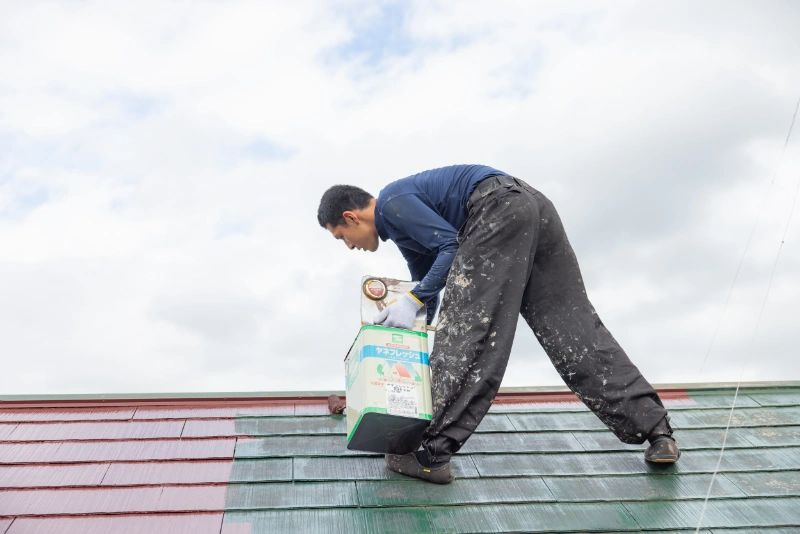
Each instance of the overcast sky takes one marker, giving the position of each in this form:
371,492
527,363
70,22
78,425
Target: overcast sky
161,165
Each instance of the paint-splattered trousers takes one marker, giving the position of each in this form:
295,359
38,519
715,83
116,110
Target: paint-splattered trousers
514,258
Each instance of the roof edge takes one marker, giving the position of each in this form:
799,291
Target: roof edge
690,386
536,393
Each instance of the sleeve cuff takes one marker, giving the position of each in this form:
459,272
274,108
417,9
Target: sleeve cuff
416,299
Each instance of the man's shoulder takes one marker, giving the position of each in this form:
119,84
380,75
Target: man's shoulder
394,189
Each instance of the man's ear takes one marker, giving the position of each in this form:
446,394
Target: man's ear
350,217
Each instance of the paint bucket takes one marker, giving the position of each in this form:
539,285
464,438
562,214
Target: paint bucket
388,381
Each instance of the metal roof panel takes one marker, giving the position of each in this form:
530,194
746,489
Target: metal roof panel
521,442
399,520
691,439
367,468
192,498
286,446
721,513
209,428
278,426
70,431
745,417
544,517
290,495
555,421
308,521
266,470
129,524
770,436
206,412
181,472
66,414
18,453
777,398
410,492
78,501
36,476
640,488
142,450
773,484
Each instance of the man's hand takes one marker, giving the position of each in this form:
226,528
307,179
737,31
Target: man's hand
400,314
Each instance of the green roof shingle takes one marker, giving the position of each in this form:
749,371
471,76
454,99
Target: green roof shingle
538,468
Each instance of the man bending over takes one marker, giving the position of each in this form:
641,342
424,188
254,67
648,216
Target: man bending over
498,247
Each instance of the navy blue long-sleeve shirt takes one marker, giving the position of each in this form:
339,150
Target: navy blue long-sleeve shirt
422,215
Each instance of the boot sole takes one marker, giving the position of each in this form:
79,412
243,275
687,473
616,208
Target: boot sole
664,460
421,476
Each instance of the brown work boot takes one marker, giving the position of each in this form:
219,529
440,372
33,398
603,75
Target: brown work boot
662,450
417,465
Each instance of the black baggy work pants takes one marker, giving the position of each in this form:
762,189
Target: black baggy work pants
514,257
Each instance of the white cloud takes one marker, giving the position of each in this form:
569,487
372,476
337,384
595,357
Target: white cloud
160,168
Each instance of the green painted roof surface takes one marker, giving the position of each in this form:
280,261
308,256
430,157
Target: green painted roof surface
531,468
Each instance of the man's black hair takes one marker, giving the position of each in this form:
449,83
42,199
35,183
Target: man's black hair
337,200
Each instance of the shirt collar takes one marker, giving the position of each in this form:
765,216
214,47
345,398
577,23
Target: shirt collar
380,225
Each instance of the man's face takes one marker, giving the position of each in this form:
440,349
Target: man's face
356,234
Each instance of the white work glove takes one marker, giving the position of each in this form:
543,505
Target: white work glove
400,314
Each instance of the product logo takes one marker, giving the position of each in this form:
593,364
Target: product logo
374,289
398,370
397,338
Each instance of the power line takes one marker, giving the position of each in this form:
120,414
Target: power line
755,331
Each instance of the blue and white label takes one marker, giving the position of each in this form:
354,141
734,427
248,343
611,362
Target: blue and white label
391,353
